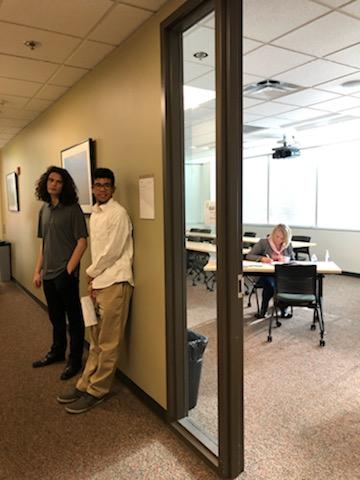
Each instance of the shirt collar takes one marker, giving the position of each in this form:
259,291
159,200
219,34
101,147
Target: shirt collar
103,207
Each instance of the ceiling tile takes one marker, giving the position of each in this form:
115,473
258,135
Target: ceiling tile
249,102
206,81
315,72
266,20
249,45
153,5
354,111
7,112
247,79
12,101
267,61
250,117
74,17
333,3
307,97
268,122
18,87
54,46
12,122
67,76
336,85
89,54
349,56
26,69
38,105
302,114
269,108
322,37
200,39
353,8
119,25
193,70
51,92
339,104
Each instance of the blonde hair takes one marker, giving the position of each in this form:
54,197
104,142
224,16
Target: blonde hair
286,231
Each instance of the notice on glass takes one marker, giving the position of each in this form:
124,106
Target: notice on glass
147,197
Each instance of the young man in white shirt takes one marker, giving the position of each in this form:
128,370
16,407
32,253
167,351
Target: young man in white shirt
111,284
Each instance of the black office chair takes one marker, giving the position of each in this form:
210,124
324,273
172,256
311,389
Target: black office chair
251,283
197,260
303,250
296,286
248,234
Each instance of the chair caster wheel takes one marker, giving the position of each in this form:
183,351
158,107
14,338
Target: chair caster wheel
278,324
322,343
313,327
269,338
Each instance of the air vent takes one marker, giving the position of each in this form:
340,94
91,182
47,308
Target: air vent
270,89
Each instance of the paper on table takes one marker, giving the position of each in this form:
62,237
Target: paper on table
88,311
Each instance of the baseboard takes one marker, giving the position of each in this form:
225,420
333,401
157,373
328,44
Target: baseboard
39,302
138,392
351,274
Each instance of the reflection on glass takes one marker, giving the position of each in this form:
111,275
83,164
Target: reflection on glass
200,217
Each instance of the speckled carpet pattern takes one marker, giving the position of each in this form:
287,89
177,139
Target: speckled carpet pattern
118,440
302,401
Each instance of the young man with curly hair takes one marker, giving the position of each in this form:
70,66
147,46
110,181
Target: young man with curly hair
63,231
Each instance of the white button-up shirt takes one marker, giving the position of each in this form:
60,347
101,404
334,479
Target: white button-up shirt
111,245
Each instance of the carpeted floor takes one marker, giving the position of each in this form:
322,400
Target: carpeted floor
302,405
121,439
302,402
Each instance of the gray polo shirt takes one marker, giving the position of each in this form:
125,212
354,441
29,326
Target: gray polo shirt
60,227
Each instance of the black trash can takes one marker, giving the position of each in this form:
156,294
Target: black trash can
196,347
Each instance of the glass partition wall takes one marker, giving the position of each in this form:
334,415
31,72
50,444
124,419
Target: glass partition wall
200,221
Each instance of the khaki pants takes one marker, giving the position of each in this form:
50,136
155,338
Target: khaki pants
112,306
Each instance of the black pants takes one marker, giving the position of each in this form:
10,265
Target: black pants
62,296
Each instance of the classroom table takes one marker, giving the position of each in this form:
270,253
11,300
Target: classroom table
251,240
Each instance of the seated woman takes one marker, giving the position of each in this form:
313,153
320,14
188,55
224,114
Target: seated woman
275,248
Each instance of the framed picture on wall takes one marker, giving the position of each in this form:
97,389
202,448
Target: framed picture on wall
12,192
79,161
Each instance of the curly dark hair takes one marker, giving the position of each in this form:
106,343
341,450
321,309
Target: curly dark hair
68,194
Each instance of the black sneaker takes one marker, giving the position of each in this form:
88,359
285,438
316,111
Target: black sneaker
71,396
84,403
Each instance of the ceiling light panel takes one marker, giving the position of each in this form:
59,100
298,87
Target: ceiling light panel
285,15
73,17
320,38
268,60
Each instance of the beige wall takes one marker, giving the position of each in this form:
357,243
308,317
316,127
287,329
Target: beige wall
119,106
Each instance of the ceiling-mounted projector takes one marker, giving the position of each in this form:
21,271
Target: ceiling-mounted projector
285,151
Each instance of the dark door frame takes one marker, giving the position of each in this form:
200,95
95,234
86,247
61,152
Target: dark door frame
228,458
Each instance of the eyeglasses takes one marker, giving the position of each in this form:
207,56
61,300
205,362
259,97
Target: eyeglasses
107,186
